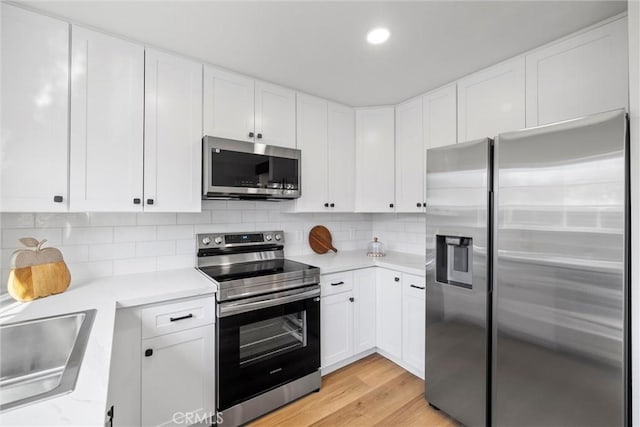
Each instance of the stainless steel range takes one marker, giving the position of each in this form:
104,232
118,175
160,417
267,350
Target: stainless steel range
268,323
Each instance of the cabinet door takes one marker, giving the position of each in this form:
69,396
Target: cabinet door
389,312
341,157
337,328
275,115
228,105
413,321
375,183
491,101
364,316
177,376
173,133
312,140
582,75
107,116
439,117
35,108
410,173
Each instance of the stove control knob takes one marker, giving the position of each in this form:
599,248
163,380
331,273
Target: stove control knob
218,240
278,237
268,237
206,241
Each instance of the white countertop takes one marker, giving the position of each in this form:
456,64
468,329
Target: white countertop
351,260
86,405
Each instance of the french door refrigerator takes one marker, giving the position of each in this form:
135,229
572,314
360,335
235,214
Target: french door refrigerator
527,276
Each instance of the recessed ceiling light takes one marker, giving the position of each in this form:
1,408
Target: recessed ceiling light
378,35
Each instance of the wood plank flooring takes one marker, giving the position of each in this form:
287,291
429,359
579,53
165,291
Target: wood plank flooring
371,392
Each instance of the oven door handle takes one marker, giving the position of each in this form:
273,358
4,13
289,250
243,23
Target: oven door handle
229,309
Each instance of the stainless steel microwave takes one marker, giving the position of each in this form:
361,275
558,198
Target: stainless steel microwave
246,170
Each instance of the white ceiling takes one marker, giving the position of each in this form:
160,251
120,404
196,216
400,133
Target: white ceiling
320,47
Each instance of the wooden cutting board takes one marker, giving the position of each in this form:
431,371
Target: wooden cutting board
320,240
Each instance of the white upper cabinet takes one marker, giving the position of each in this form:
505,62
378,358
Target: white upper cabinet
173,133
325,134
228,105
275,115
312,140
341,157
35,108
375,183
492,101
439,109
409,157
578,76
237,107
107,116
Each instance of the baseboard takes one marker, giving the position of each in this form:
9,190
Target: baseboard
415,371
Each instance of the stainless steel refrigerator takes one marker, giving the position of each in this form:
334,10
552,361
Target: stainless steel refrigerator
527,276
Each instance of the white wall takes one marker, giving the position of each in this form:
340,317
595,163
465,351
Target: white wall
634,113
105,244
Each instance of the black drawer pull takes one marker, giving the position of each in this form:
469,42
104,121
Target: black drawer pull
417,287
352,299
175,319
396,279
58,199
337,284
148,352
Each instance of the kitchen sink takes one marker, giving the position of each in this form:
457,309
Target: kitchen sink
41,358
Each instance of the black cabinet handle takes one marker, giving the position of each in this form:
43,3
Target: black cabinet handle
417,287
337,284
251,134
326,205
424,205
352,299
175,319
418,205
149,201
136,201
396,279
333,205
58,199
148,352
259,136
390,205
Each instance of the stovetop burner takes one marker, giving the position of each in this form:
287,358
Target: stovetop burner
249,264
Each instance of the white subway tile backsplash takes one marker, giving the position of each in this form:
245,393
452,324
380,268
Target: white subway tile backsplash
18,220
153,218
134,265
176,261
90,270
87,235
112,219
186,246
110,251
11,236
75,253
226,217
67,220
155,248
203,217
173,232
134,234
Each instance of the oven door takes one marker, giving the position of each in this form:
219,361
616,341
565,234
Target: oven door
266,342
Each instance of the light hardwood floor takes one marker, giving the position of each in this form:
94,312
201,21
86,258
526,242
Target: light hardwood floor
371,392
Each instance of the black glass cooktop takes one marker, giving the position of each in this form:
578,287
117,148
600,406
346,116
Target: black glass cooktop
226,273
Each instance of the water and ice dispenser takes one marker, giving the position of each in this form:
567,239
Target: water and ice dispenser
454,260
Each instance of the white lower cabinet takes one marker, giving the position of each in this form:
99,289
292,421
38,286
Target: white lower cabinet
347,316
177,376
413,322
162,365
389,312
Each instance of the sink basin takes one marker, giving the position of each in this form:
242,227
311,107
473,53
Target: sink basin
41,358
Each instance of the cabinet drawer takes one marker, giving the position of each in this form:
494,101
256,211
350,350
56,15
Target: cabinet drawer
413,285
335,283
177,316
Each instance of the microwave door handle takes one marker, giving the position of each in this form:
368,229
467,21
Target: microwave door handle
225,310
